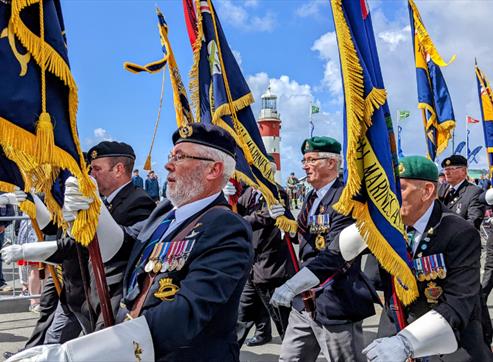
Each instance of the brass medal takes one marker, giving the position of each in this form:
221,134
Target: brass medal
167,290
157,267
320,242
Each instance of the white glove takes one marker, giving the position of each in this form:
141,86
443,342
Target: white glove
11,253
229,189
127,341
300,282
43,215
276,210
74,200
396,348
39,251
13,198
110,234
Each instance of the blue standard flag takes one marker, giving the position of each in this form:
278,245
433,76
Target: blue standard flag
10,178
486,104
372,193
38,107
433,96
221,96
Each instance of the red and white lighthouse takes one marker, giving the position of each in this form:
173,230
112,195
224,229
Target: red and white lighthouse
269,125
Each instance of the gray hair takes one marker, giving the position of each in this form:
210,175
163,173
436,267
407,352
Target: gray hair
334,156
229,162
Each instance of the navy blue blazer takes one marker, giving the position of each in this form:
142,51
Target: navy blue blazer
350,296
199,323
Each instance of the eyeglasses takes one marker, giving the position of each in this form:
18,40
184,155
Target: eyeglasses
311,161
182,156
452,168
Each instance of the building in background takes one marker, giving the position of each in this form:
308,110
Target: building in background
269,124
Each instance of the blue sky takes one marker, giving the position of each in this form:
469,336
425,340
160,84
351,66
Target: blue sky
287,44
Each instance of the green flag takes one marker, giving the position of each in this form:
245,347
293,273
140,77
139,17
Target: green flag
404,114
315,109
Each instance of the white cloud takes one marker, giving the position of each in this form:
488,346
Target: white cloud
237,15
293,104
251,3
312,8
326,46
99,135
394,38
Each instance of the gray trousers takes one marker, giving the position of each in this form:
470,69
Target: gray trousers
64,327
305,338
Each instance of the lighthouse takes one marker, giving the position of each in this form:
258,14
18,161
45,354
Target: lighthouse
269,125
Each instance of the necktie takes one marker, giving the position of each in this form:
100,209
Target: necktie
156,236
451,194
303,216
106,203
411,233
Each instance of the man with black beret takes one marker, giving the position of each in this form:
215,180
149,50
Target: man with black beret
187,268
122,205
445,250
458,194
330,319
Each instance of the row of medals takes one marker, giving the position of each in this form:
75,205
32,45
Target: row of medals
429,268
169,256
319,224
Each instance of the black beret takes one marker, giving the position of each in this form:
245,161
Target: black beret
207,135
418,168
321,144
454,160
111,149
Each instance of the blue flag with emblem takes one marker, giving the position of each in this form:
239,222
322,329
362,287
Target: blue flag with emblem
372,191
38,129
11,178
221,96
486,104
433,95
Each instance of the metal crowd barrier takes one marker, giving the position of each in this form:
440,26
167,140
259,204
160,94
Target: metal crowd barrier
10,239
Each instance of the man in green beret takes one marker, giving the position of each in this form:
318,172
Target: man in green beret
327,319
445,250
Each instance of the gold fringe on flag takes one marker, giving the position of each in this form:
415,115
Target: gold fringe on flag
359,111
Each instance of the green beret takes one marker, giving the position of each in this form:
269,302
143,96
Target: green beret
271,158
418,168
321,144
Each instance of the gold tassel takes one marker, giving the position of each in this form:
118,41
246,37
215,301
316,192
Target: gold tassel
45,139
148,164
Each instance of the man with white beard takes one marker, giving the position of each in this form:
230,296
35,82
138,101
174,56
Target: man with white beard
186,271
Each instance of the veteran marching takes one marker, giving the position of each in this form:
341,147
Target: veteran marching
186,278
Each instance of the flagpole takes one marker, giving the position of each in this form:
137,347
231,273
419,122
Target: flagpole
398,125
467,140
310,118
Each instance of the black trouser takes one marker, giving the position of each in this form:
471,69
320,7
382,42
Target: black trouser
48,303
487,282
255,309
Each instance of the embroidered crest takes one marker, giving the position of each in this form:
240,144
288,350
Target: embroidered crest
137,352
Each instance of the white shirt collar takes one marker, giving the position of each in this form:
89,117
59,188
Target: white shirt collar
420,225
111,196
184,212
321,192
456,187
